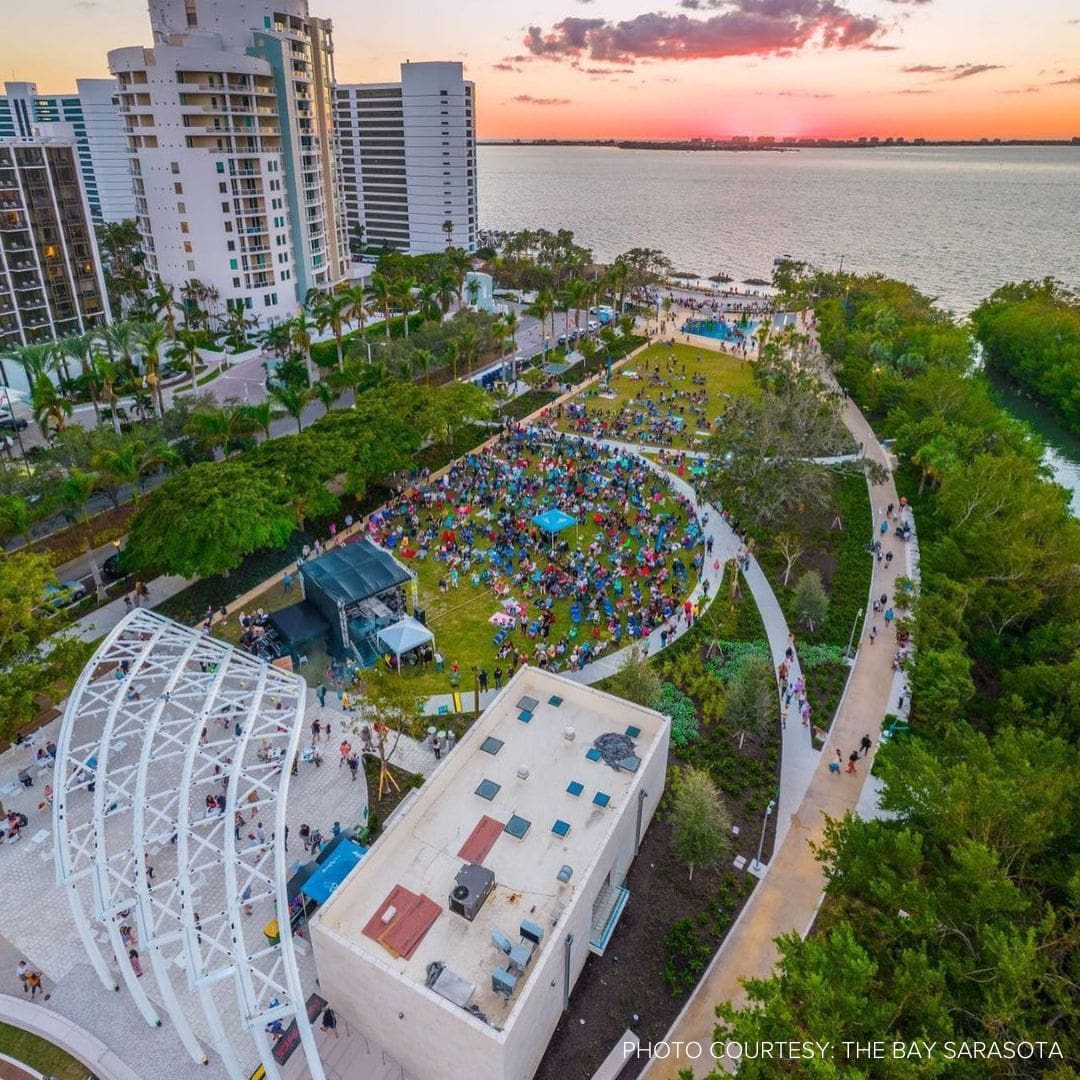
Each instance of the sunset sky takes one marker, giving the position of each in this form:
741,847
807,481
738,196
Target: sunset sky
629,68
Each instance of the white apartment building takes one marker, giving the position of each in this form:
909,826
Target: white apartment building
51,284
408,159
101,141
455,943
230,123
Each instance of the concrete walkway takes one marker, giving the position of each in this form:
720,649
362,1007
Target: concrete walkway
791,890
61,1032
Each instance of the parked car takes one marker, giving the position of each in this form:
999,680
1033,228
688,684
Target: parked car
13,423
64,594
112,569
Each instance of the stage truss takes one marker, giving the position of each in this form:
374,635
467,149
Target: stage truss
162,721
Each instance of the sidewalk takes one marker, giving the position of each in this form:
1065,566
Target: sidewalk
791,890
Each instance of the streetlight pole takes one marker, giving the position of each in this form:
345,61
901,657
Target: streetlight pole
755,866
476,690
851,639
18,433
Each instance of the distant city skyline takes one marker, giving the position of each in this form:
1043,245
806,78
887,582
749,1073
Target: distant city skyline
699,68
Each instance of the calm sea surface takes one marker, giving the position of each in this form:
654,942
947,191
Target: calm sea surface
956,221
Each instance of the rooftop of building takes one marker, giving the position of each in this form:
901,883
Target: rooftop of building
563,809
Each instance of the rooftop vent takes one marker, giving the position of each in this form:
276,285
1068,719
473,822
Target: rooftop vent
523,772
569,734
473,885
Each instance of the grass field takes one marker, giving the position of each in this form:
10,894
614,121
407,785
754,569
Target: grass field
460,618
39,1054
722,375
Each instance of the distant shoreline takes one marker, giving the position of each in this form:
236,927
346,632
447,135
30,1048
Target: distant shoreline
776,146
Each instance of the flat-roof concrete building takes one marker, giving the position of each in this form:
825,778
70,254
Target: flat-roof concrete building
457,940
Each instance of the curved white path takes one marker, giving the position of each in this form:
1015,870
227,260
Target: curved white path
798,758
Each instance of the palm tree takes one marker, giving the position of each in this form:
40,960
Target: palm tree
34,359
259,417
300,338
132,459
382,293
618,278
427,303
106,375
326,393
576,292
51,410
469,342
121,340
150,342
424,361
448,229
81,347
163,302
277,338
357,310
445,288
186,351
541,308
453,355
510,326
292,399
76,490
220,427
459,263
328,310
58,359
403,299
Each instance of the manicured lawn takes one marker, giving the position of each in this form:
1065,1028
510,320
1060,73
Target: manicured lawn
718,375
39,1054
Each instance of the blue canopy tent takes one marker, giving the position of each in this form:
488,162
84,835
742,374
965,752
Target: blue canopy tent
404,636
553,522
333,871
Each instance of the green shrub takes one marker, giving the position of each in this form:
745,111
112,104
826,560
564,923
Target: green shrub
684,723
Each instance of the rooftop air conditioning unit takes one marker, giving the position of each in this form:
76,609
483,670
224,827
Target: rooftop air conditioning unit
569,734
473,885
523,772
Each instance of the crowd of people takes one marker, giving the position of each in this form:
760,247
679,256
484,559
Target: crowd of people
669,407
618,572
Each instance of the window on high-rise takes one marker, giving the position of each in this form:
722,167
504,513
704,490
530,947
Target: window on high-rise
191,12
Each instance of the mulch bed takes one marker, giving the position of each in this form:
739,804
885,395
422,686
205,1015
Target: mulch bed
626,988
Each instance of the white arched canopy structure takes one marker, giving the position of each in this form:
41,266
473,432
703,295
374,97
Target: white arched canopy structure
163,722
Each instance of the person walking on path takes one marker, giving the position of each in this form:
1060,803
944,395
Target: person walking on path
22,969
345,749
354,765
498,678
320,693
33,982
436,745
852,758
316,731
865,745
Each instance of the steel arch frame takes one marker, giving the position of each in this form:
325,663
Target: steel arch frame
157,696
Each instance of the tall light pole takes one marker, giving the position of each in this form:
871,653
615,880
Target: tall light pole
755,866
851,639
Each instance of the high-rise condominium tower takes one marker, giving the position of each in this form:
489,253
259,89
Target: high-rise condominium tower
93,113
51,284
231,130
408,154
